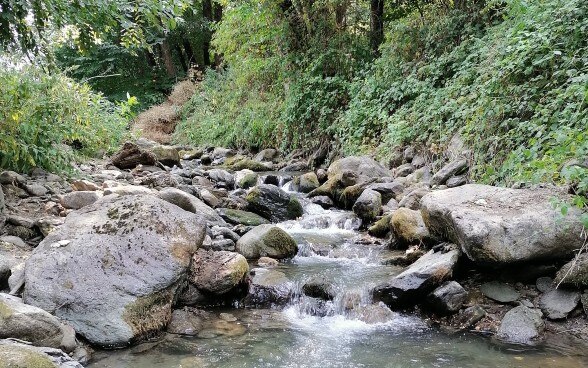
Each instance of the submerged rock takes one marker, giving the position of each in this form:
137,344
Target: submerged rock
521,325
429,271
188,321
267,241
273,203
501,226
112,269
218,272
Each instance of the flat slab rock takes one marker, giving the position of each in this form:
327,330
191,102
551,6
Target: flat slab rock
15,354
495,225
500,292
557,303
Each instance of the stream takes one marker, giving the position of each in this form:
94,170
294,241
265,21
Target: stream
349,331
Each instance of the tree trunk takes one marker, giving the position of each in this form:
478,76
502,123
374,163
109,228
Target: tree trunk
207,14
188,49
218,16
340,14
181,56
376,24
168,62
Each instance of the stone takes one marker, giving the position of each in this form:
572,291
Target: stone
322,175
557,303
246,179
267,262
18,355
360,165
447,298
210,199
239,162
78,199
84,185
130,155
584,300
404,170
11,258
408,226
295,166
268,288
127,190
497,226
187,321
319,288
412,200
323,201
305,183
420,278
544,284
116,265
190,203
369,205
409,153
456,181
222,178
167,155
2,204
205,159
237,217
36,190
268,154
273,203
389,190
521,325
372,313
218,272
574,273
12,178
453,168
500,292
29,323
381,228
469,317
267,241
222,244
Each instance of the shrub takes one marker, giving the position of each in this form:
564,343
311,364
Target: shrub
41,114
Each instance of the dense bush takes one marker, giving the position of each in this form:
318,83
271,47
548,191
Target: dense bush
40,115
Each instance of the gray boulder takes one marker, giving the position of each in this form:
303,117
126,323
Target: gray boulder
369,205
37,190
113,268
246,179
389,190
28,323
557,303
420,278
273,203
268,288
192,204
222,178
267,241
217,272
18,355
453,168
268,154
361,165
12,257
12,178
521,325
447,298
408,226
500,226
78,199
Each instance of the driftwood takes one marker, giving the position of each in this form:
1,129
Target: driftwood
131,155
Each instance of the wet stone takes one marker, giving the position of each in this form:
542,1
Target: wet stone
557,303
499,292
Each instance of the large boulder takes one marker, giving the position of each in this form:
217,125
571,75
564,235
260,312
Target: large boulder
521,325
12,257
369,205
502,226
267,241
420,278
273,203
305,183
218,272
192,204
454,167
246,179
113,268
29,323
130,155
268,288
361,165
18,355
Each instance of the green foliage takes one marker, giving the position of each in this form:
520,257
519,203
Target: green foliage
40,115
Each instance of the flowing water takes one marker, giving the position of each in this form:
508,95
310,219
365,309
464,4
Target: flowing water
349,331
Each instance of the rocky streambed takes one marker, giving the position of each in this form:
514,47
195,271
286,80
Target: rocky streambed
174,257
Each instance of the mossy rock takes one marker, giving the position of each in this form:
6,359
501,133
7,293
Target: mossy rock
240,162
21,357
267,241
408,225
238,217
381,228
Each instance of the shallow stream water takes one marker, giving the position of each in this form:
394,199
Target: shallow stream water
333,335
